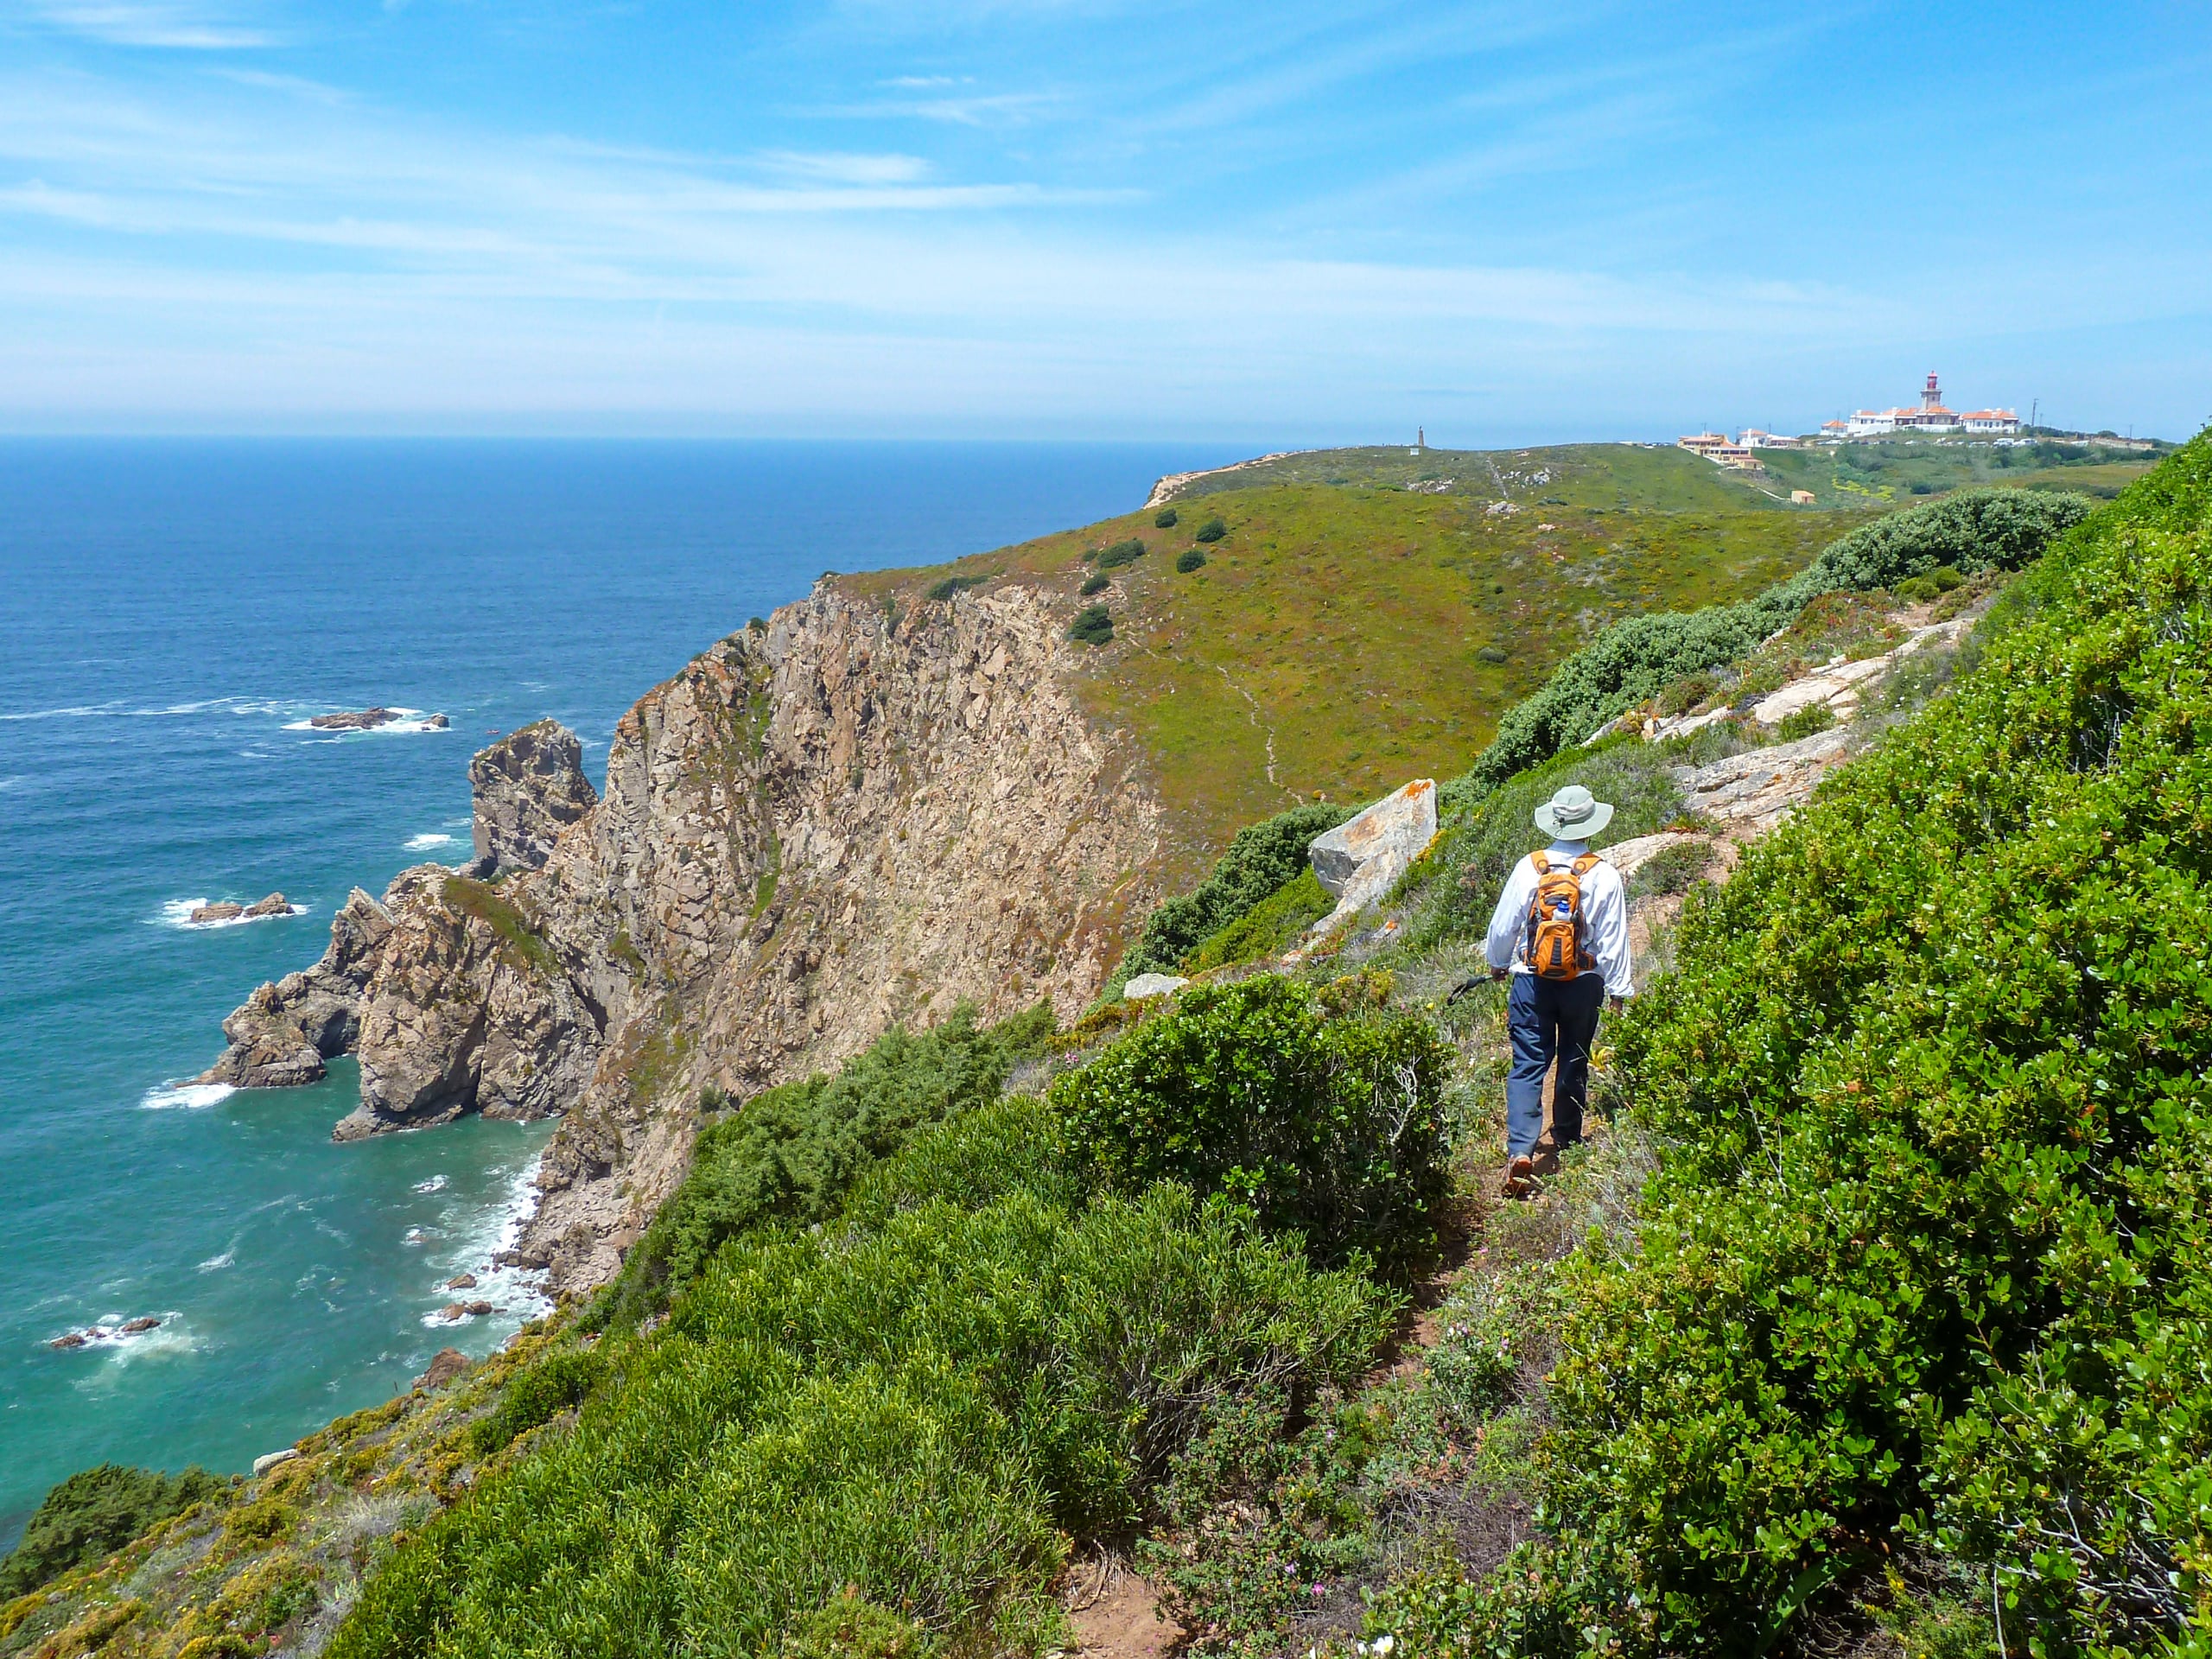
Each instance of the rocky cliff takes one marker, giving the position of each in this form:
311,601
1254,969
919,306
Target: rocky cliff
855,817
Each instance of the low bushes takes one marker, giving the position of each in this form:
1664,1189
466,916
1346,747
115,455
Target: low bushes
910,1415
1122,553
790,1153
1164,519
1259,860
94,1513
1093,625
1097,583
1190,559
1270,927
1212,531
1321,1112
1924,1266
1970,531
952,585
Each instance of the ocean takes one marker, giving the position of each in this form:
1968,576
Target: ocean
171,614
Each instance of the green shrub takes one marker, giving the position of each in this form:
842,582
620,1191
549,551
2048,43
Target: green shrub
952,585
1813,718
1122,553
94,1513
535,1396
911,1415
1329,1127
790,1153
1269,928
756,624
1925,1256
1093,625
1259,860
1493,655
1190,559
1673,869
1164,519
1212,531
1098,583
1636,658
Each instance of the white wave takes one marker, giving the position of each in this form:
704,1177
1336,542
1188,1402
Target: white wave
106,1336
422,843
435,1184
217,1263
12,781
193,1096
410,721
123,711
177,912
515,1292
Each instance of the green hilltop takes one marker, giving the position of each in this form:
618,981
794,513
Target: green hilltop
1368,615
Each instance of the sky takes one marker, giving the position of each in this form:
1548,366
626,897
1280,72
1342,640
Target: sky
1287,223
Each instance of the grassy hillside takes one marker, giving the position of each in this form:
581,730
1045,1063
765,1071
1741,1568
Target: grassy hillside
1343,636
1875,1322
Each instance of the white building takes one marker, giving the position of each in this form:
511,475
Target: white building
1929,416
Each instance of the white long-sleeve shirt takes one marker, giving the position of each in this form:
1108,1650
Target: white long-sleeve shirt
1604,918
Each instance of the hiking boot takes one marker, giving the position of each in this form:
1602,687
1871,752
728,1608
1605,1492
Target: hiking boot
1520,1178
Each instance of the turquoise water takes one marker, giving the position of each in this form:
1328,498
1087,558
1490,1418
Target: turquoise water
170,614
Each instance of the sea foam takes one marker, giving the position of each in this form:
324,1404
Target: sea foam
423,844
192,1096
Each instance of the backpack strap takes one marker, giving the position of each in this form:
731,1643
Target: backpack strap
1542,863
1584,865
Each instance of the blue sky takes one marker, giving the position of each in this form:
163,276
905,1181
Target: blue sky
1289,223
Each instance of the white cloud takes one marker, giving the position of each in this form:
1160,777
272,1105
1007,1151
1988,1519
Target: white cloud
171,23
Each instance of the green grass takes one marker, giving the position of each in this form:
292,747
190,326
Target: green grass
528,949
1348,637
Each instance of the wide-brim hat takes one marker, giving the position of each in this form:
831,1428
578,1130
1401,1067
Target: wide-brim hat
1573,814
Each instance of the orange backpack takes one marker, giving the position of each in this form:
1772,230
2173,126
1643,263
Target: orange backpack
1555,947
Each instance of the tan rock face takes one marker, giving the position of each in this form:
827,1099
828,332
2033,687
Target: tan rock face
849,820
527,788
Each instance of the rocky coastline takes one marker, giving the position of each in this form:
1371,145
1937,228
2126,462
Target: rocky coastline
847,818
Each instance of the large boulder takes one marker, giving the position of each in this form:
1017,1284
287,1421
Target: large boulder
1361,860
529,787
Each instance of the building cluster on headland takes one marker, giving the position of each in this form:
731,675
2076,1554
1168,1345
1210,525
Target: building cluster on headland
1931,415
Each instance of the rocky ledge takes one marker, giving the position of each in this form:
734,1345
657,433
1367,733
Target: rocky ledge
368,719
224,910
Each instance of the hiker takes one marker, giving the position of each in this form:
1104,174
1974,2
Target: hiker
1561,930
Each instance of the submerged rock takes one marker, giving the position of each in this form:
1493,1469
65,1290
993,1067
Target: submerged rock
461,1281
221,911
358,720
143,1322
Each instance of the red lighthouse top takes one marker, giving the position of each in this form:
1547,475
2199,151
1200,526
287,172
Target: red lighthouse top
1931,396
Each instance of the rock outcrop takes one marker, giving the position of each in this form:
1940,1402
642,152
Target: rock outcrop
354,720
282,1034
528,787
852,818
1361,860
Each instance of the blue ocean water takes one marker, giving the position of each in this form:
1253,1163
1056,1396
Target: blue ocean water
170,614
